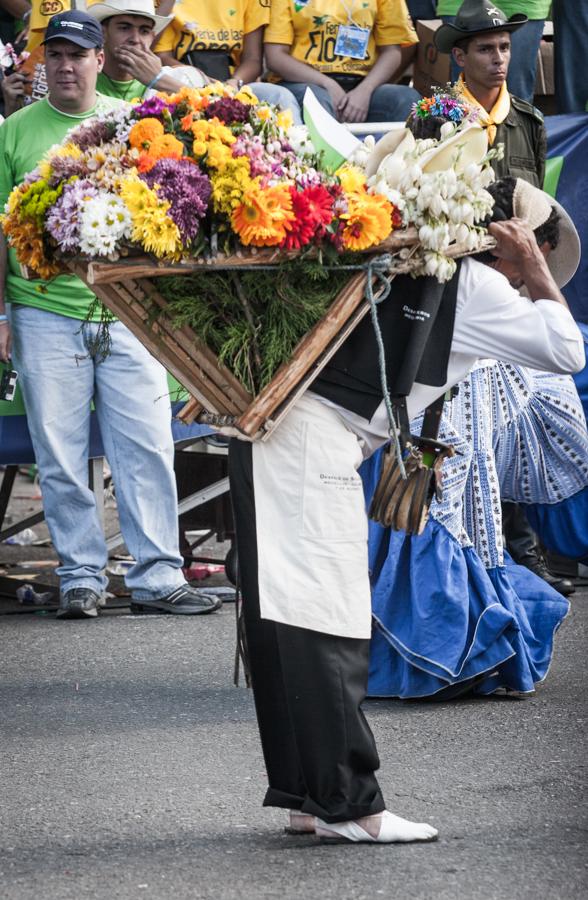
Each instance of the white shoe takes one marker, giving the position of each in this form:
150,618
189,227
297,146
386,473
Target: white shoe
393,829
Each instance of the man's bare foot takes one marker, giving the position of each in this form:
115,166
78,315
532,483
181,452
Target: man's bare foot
300,823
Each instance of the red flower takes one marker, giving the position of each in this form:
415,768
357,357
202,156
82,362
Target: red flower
313,210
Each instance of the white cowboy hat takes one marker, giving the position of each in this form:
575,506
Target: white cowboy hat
534,206
467,145
145,8
396,143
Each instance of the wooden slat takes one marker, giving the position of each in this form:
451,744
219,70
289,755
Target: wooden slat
313,353
217,383
186,337
217,396
306,353
145,267
189,411
183,365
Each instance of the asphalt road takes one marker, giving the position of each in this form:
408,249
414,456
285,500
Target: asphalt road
130,768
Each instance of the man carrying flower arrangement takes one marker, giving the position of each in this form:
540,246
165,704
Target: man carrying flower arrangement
53,328
302,528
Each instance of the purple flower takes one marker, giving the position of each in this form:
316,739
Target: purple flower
97,132
62,221
153,106
228,110
66,167
186,188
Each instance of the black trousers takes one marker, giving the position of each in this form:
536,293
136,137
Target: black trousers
319,750
520,539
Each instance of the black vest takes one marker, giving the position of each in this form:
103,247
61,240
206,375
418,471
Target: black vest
416,321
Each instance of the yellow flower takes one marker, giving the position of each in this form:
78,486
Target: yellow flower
218,155
246,95
199,148
229,185
70,150
352,178
45,170
285,119
263,113
160,234
137,196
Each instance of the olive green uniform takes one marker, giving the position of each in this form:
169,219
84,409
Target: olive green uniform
525,143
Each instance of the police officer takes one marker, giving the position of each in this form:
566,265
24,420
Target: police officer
479,41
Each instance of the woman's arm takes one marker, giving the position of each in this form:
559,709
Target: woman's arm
280,61
356,103
251,63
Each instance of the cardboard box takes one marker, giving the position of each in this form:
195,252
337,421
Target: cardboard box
431,68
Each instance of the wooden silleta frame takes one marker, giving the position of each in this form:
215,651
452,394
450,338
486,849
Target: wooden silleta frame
128,289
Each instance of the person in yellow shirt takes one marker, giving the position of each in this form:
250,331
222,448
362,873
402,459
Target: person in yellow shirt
346,52
224,40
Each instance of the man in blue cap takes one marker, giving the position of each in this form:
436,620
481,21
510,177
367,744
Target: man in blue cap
50,334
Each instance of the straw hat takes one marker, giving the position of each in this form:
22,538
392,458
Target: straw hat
475,17
534,206
145,8
396,143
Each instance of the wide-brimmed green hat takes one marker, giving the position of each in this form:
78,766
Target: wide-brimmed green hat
475,17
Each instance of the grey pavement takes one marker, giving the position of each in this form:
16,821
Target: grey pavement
130,768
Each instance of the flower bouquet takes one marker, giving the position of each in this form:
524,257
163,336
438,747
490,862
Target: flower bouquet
255,237
184,176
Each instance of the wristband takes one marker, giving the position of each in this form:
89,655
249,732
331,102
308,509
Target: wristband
154,81
3,318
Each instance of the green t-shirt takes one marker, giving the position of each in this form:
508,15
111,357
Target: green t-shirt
24,138
533,9
122,90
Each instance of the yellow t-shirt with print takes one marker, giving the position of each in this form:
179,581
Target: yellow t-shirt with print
41,12
212,26
310,28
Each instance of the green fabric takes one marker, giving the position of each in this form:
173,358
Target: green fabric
553,169
122,90
24,138
533,9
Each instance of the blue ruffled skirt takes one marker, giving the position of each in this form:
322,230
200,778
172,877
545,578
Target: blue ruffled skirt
441,617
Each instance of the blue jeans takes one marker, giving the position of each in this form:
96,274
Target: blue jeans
389,102
523,60
570,27
279,96
59,381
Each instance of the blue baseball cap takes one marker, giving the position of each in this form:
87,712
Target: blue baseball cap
75,26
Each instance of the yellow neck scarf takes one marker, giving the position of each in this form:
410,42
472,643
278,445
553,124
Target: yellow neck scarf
498,113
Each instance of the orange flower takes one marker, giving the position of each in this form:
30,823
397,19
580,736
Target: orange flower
27,242
186,122
144,132
367,221
264,216
166,146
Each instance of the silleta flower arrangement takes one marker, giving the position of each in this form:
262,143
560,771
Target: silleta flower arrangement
438,182
185,175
